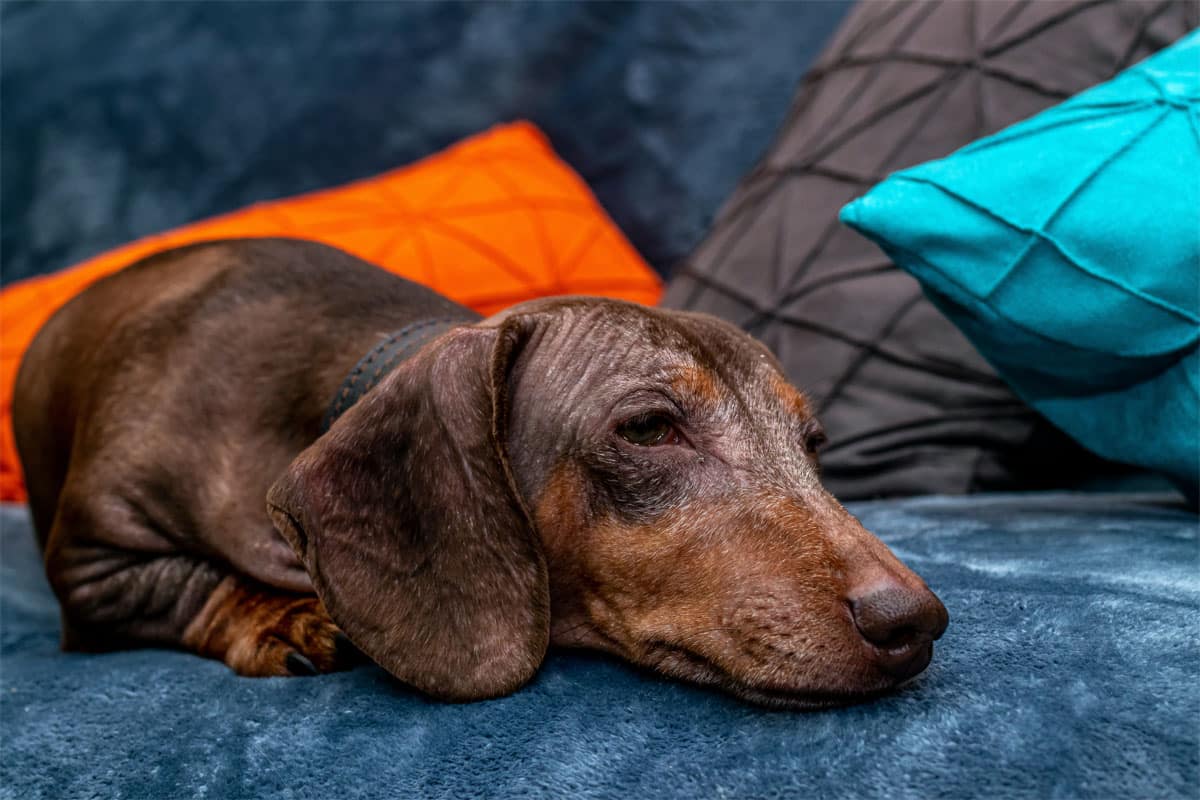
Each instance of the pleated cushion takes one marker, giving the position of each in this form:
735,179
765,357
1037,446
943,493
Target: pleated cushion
1067,249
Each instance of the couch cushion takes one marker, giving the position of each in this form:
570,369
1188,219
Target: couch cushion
909,404
1067,248
493,221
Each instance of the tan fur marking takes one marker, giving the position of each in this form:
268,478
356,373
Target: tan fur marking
253,628
697,382
792,397
758,605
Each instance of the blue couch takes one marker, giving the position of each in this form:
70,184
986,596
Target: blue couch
1069,670
123,119
1071,665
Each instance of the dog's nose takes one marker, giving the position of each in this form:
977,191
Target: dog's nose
901,622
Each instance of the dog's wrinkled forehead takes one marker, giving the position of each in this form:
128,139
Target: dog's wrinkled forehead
590,354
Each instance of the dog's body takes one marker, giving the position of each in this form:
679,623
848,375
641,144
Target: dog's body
205,371
579,469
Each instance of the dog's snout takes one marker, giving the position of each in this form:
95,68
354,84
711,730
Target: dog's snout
901,622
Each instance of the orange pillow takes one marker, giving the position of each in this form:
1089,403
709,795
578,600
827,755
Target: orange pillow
492,221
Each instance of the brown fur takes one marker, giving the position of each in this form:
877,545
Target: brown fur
481,502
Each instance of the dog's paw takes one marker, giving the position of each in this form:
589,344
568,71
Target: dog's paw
259,632
294,638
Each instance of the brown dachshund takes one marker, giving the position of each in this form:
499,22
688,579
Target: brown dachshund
579,471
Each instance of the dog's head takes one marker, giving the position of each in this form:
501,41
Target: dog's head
604,475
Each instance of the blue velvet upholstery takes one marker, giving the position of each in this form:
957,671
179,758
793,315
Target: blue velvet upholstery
1071,668
126,118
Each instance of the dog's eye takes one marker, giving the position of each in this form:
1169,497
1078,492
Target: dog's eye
814,440
648,430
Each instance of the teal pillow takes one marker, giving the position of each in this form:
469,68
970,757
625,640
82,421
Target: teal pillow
1067,248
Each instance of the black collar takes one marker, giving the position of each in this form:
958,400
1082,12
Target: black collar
382,359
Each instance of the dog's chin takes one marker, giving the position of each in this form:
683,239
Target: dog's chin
692,667
802,700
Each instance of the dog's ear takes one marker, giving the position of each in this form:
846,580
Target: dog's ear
409,522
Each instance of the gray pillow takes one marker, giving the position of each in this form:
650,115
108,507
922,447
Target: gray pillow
909,405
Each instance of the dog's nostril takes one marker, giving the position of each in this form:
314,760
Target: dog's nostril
898,637
895,616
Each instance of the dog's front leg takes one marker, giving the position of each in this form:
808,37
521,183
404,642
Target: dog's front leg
260,630
121,583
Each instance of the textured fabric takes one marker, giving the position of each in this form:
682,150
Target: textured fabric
490,222
910,406
1071,669
123,119
1067,248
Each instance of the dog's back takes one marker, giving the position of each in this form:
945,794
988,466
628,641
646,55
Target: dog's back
247,339
49,398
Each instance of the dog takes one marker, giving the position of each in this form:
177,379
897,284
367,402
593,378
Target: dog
271,453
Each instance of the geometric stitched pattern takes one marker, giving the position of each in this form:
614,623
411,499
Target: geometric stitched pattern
492,221
909,405
1075,260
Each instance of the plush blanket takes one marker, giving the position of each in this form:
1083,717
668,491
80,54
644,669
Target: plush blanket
1070,669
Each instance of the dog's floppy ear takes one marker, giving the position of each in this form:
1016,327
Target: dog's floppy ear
407,517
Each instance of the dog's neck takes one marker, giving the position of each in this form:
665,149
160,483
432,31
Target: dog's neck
380,360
